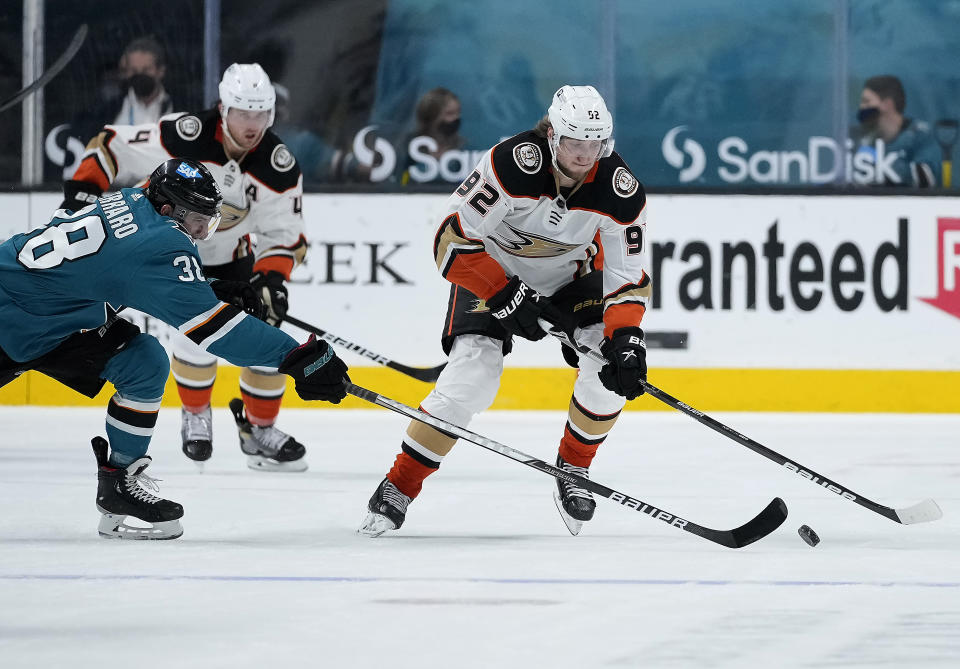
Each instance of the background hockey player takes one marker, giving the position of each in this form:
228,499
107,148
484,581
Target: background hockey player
550,212
262,190
60,288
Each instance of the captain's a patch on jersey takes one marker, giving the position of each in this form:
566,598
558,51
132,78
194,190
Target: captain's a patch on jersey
624,183
528,158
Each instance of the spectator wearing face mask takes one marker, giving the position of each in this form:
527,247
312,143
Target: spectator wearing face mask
140,98
438,116
892,149
142,68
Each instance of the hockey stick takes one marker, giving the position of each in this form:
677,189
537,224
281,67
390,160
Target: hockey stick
51,72
920,512
425,374
763,524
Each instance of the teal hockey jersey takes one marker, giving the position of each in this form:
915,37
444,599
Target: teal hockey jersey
119,252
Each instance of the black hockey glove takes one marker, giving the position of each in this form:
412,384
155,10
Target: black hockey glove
274,295
78,194
241,295
517,307
628,362
318,374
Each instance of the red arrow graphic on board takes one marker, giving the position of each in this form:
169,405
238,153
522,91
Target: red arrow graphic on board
948,267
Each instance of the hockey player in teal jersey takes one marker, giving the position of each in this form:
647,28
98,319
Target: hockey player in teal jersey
62,285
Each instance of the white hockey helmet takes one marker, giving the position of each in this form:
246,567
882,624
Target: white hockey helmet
247,86
579,112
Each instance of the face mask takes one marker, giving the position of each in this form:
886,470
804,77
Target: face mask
868,115
449,128
142,84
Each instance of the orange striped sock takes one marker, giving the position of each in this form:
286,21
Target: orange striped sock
408,474
195,400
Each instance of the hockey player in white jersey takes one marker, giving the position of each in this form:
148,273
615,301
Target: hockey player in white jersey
551,224
262,195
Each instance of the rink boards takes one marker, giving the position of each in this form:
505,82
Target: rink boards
783,303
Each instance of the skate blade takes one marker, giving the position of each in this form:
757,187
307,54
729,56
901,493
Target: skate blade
200,466
112,526
375,524
262,464
573,525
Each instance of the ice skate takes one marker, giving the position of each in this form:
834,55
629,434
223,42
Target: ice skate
575,504
267,448
120,494
196,431
387,510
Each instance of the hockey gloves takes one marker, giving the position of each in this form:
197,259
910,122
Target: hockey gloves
78,194
318,374
627,366
517,307
239,294
274,295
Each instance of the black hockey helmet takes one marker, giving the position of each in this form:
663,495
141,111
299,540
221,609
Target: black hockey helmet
188,187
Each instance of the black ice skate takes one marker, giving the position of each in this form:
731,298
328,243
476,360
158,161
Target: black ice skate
196,431
575,504
267,448
119,494
387,510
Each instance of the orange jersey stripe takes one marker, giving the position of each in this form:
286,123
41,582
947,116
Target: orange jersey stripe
212,316
90,171
625,315
477,272
281,264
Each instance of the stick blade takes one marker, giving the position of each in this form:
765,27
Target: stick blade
755,529
921,512
425,374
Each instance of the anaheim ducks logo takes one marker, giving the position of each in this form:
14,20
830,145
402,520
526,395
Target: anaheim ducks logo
188,127
527,245
479,307
528,158
624,183
281,158
231,215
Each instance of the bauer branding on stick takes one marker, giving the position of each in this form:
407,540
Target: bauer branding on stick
808,535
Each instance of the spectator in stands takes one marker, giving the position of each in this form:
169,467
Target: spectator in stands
142,68
899,151
438,116
141,97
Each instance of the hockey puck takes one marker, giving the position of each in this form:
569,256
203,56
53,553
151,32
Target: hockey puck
808,535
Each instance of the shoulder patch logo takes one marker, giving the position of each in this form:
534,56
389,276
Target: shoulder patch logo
189,127
281,158
528,158
624,183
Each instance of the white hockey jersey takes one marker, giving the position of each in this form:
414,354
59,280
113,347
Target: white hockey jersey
507,219
262,194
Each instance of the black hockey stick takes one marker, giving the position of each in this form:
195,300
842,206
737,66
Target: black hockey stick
921,512
425,374
763,524
52,71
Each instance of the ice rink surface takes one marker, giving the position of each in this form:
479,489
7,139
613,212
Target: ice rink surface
271,573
